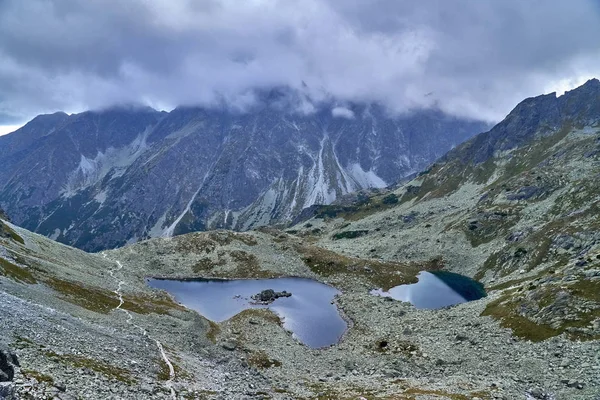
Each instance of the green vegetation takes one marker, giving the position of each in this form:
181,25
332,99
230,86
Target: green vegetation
260,360
164,373
38,376
506,310
256,313
15,272
7,232
527,157
364,207
93,299
103,301
491,224
213,331
101,367
73,360
380,274
350,234
390,199
157,303
404,393
587,289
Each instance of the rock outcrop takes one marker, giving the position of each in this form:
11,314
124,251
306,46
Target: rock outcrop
269,295
8,363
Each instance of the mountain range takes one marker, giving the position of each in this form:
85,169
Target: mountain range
516,208
101,179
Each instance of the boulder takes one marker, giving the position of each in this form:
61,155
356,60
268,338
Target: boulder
8,363
269,295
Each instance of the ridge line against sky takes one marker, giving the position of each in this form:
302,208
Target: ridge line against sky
469,59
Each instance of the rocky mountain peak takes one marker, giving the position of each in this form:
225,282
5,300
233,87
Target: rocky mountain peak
105,178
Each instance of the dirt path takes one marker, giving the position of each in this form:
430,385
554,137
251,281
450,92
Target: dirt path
163,354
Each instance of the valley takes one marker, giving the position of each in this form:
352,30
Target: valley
515,208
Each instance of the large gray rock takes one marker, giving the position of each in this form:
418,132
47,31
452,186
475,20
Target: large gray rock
7,391
8,363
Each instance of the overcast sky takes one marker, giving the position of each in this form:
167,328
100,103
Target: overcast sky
473,58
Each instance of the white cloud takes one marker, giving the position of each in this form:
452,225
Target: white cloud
342,112
5,129
474,59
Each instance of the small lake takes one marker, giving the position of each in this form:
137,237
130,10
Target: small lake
436,289
308,313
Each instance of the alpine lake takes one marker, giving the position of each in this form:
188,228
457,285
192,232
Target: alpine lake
306,307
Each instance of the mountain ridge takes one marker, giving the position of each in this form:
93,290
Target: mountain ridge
243,170
523,222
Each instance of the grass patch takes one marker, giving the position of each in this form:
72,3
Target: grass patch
350,234
101,367
572,319
16,273
260,360
380,274
490,224
586,289
257,313
353,393
490,264
362,208
7,232
521,327
76,361
157,303
214,331
444,394
93,299
103,300
38,376
164,374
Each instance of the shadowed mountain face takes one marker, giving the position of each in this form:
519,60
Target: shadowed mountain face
98,180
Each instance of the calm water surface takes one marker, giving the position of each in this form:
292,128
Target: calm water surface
436,289
308,313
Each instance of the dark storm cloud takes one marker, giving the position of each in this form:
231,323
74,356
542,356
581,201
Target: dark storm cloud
469,58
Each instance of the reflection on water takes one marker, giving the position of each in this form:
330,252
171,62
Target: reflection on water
309,313
436,290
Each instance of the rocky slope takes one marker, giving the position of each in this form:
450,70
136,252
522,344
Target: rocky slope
520,215
98,180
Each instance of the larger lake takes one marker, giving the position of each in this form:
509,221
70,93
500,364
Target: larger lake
309,313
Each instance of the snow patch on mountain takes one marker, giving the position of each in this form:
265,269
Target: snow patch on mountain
365,179
113,160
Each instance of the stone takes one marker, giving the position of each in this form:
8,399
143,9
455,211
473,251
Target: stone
537,393
8,362
7,390
146,388
391,373
230,346
269,295
60,386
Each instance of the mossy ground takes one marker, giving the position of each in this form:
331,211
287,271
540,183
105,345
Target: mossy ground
405,392
7,232
15,272
379,274
38,376
261,360
77,361
506,310
103,301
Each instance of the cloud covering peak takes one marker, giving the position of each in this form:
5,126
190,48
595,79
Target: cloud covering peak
468,58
